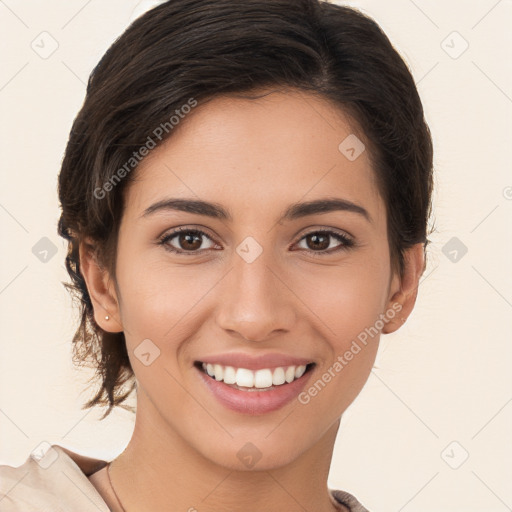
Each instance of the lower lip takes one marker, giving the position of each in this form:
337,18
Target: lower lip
255,402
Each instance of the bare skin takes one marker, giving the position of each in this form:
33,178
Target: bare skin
255,158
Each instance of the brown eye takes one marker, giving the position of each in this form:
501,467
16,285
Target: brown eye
189,241
320,241
317,241
183,241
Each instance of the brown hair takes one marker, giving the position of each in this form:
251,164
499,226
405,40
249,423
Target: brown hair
185,50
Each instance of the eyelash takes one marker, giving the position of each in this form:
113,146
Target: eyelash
347,243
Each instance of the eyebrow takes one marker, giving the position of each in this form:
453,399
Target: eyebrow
292,212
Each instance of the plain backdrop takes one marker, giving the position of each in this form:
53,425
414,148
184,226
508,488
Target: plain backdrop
432,429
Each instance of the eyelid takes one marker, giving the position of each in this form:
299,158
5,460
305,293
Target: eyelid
187,227
324,229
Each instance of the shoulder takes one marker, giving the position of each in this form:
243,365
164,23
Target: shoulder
348,500
54,480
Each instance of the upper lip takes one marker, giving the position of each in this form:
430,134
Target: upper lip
255,362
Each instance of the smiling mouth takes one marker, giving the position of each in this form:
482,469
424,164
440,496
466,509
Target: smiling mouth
264,379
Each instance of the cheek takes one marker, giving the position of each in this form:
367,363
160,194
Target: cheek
348,302
159,304
166,304
155,293
346,298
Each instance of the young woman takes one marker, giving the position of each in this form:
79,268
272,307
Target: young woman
246,194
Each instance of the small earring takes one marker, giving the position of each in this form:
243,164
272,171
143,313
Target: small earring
106,318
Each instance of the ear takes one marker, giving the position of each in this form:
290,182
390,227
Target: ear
404,290
101,289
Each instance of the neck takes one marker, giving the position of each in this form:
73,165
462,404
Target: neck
159,467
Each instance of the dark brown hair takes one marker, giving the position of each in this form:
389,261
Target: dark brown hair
196,50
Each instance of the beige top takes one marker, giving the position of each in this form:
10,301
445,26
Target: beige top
59,480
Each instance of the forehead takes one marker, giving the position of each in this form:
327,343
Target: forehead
255,155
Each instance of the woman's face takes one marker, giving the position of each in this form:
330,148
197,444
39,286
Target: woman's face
257,282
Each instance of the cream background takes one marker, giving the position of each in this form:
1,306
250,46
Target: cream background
444,377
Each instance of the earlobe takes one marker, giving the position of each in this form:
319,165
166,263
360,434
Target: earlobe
100,288
414,266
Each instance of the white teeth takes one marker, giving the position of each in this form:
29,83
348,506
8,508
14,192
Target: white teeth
244,378
260,379
278,377
289,374
219,371
263,379
229,375
299,372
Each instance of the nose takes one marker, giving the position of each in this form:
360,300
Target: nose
256,304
